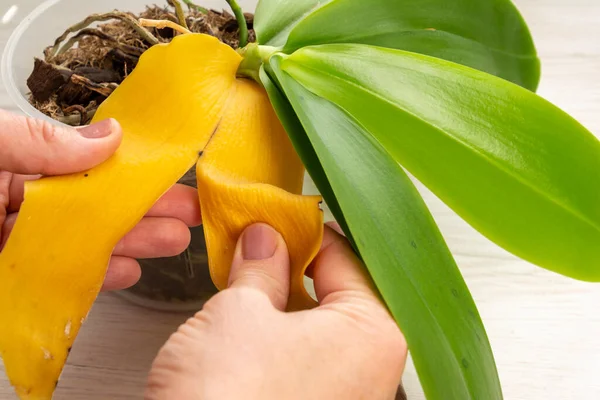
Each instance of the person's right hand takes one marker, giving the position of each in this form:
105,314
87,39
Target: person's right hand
242,345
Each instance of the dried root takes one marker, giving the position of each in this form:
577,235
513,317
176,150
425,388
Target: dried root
102,36
161,24
124,17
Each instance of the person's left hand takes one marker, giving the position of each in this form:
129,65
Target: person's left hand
32,148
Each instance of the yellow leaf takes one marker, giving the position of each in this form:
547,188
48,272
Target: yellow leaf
250,173
55,260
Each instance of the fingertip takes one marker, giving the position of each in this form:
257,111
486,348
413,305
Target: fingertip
155,237
261,261
259,242
41,147
101,139
175,236
181,202
123,272
337,270
78,149
330,235
106,128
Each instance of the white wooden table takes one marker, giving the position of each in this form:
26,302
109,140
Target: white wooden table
544,329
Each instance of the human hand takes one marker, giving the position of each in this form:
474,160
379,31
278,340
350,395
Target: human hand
32,148
243,346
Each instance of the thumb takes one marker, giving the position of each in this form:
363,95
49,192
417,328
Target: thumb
338,273
30,146
262,262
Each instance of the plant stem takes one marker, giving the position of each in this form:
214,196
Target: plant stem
253,57
241,19
161,24
179,11
193,6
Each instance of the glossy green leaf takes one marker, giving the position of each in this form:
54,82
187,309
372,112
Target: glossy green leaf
403,250
517,168
274,19
487,35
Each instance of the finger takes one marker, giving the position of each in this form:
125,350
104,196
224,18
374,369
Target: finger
310,271
123,273
262,262
338,273
179,202
155,238
30,146
17,190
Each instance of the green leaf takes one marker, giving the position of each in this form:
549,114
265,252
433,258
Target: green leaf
517,168
403,250
274,19
487,35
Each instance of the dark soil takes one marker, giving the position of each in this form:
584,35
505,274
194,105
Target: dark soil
77,74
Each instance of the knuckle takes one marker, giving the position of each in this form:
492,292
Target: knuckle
192,330
40,130
262,279
225,299
256,274
395,341
43,138
244,297
375,323
390,340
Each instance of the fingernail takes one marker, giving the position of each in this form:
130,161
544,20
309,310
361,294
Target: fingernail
259,242
98,130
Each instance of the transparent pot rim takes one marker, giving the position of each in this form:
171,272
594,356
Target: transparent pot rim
8,76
